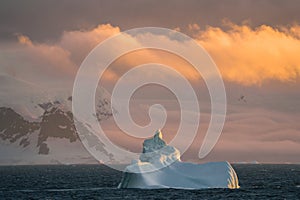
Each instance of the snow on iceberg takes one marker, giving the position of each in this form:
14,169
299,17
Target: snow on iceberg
159,166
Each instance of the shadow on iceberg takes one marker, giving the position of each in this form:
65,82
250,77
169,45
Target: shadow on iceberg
159,166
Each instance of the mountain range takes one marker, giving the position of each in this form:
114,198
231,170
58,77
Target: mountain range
37,126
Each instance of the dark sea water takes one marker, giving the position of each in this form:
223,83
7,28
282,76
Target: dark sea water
100,182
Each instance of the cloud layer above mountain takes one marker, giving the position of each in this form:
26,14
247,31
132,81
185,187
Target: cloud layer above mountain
245,55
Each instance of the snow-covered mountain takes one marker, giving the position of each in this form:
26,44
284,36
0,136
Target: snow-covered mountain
37,126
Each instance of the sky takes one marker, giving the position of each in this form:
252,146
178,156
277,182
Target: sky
255,45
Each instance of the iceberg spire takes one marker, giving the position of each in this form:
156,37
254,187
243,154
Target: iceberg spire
158,134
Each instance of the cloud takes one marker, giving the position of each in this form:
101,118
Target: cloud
251,56
244,55
80,43
36,62
43,63
24,40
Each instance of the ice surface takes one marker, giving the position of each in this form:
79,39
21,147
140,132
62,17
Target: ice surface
159,166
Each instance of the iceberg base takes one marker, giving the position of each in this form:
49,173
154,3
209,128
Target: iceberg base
183,175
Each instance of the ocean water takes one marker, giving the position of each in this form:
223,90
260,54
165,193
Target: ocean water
100,182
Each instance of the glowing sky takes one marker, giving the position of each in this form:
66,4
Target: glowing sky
255,44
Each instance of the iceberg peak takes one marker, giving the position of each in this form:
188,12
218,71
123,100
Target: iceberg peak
157,152
158,134
154,143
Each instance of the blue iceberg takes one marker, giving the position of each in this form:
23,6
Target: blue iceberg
159,166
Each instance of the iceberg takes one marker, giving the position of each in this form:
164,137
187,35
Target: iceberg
159,166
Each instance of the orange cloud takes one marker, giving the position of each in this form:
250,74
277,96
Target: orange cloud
251,56
80,43
132,59
24,40
48,62
244,55
44,58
